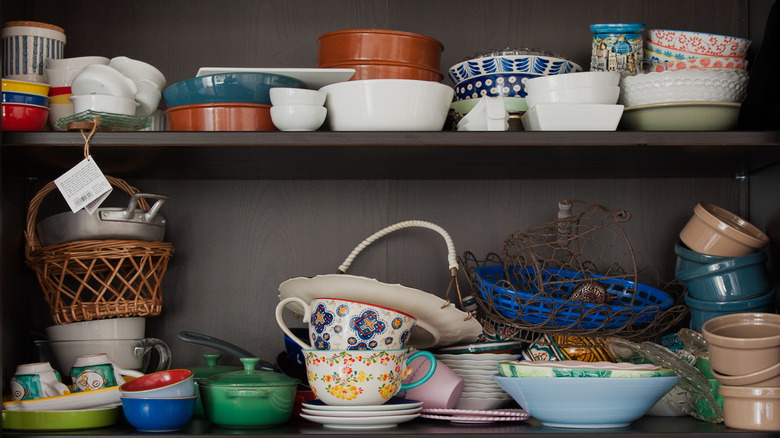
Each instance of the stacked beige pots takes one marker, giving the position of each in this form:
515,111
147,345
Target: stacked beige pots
744,353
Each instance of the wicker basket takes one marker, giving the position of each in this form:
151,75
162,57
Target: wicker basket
97,279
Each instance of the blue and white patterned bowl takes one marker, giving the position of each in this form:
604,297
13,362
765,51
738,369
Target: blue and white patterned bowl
504,74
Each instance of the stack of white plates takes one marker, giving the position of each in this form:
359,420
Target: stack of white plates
480,390
385,416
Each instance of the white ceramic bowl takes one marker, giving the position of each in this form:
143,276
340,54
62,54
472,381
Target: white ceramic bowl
296,96
135,69
572,117
148,97
298,117
76,63
387,105
694,85
602,95
572,80
102,79
112,328
58,111
104,103
59,78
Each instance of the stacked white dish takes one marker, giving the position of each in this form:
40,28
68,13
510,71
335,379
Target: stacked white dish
297,109
480,390
385,416
583,101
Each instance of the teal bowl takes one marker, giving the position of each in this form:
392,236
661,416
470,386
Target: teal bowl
245,87
703,311
690,259
731,279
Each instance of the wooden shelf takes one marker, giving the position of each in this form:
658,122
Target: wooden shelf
397,155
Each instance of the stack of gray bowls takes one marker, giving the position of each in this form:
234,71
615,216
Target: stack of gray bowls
723,285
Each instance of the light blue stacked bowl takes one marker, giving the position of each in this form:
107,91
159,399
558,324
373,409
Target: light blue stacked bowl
723,285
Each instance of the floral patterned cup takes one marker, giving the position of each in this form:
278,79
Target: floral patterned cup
361,378
336,324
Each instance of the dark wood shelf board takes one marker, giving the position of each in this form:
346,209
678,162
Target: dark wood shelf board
397,155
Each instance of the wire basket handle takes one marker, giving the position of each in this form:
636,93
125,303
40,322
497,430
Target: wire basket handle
451,256
31,238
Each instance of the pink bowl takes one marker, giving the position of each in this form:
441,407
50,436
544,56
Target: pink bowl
24,117
707,44
708,62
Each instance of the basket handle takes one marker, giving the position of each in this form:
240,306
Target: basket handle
451,257
30,237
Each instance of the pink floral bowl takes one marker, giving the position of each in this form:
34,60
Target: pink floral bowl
706,44
731,64
362,377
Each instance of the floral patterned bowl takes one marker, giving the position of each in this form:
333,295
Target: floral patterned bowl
704,44
363,377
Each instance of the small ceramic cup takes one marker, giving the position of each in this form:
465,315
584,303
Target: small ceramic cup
362,378
96,371
36,380
336,324
441,391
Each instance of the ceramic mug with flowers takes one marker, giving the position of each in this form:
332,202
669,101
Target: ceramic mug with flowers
362,377
336,324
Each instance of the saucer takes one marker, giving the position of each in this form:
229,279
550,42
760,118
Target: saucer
99,398
394,404
475,416
356,413
361,423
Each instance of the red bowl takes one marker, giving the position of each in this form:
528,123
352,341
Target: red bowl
24,117
56,91
159,379
357,45
220,117
389,70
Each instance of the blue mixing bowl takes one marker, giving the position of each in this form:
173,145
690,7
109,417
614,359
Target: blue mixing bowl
27,98
690,259
587,402
158,414
246,87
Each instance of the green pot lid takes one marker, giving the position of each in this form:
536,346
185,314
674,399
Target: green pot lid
249,377
211,368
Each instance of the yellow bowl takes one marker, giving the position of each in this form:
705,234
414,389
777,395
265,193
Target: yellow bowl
26,87
60,98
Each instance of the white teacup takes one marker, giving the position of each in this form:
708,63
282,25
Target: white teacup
36,380
97,371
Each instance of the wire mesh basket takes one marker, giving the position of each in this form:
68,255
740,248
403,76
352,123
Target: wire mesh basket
575,275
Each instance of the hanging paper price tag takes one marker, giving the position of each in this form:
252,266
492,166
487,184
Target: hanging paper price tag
84,186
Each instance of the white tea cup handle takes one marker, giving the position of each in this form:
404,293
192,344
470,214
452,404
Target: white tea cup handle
52,389
119,372
283,326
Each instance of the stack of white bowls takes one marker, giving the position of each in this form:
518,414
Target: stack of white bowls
297,109
582,101
59,74
124,86
480,390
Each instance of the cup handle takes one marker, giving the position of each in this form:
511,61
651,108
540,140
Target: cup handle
283,326
119,372
431,358
144,345
430,329
52,389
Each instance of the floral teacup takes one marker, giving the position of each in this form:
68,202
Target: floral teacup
361,378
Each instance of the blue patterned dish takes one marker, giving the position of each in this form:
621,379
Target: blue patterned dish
504,73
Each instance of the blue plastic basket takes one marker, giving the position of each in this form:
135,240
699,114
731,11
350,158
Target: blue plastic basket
519,298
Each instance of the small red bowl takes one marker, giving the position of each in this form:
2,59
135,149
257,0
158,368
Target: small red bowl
24,117
56,91
168,383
